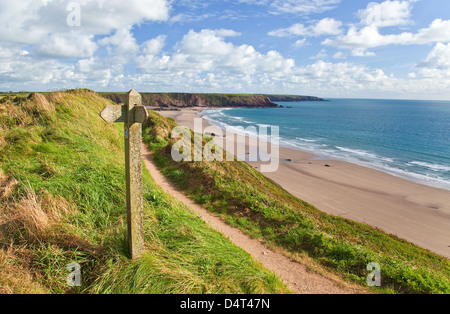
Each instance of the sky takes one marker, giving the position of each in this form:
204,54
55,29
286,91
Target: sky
326,48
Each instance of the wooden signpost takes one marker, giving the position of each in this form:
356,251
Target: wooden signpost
133,114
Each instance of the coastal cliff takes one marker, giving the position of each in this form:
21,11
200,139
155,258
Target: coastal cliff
183,100
293,98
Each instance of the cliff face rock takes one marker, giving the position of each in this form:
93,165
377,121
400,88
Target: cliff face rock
183,100
293,98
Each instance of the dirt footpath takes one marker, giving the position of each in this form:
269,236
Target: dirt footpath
295,275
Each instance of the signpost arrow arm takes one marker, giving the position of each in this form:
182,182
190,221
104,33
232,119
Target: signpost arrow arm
114,114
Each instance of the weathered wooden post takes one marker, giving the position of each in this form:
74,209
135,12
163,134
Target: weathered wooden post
133,114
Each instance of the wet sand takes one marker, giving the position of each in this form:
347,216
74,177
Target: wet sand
417,213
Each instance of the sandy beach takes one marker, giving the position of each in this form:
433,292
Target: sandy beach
417,213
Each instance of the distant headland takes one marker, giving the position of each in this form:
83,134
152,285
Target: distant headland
186,100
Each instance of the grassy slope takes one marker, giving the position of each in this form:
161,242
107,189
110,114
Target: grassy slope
262,209
62,200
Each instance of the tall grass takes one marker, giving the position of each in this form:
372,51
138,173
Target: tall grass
62,193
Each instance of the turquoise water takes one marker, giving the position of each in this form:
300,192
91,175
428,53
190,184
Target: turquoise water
410,139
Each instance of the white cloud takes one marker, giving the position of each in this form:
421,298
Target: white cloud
342,79
86,65
123,43
300,42
11,50
437,64
321,55
43,24
326,26
361,52
438,31
393,13
35,37
33,18
226,33
303,6
66,45
216,65
359,40
438,58
155,45
388,13
327,78
339,55
207,51
206,60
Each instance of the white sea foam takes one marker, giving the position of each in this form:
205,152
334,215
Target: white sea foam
434,167
361,157
364,154
305,140
374,161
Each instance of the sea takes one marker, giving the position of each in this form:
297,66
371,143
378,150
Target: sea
406,138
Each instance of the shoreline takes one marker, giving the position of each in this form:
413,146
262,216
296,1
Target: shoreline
412,211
